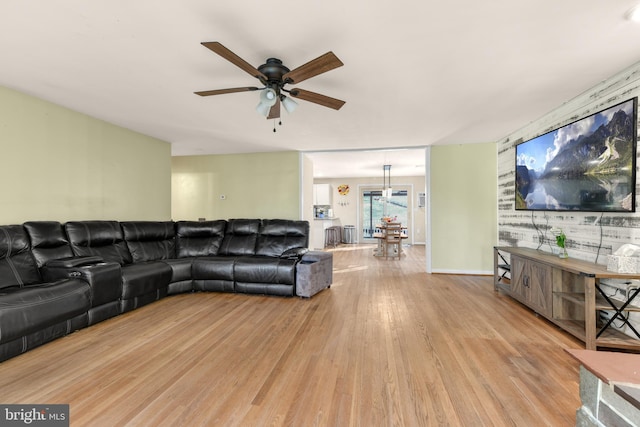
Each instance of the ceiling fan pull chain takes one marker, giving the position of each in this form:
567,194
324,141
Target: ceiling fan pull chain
274,124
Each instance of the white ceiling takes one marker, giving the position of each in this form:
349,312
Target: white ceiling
416,72
368,163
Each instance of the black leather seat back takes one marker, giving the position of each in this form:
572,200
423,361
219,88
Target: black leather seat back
279,235
149,240
240,237
199,238
17,265
98,238
48,241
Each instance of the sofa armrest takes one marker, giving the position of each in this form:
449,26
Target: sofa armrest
74,262
104,278
315,256
314,273
294,253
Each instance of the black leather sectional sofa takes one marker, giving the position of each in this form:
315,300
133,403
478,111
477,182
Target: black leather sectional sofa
56,278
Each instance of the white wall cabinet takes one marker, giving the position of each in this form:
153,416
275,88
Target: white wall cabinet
322,194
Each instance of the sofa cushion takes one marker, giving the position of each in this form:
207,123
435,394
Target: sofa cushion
29,309
278,236
265,275
149,240
266,270
180,268
213,268
199,238
143,278
240,237
214,274
17,265
48,241
101,238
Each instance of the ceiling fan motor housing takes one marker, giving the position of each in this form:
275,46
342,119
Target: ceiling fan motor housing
274,70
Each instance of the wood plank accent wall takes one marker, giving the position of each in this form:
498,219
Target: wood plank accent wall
590,236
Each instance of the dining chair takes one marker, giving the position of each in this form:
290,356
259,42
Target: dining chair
393,240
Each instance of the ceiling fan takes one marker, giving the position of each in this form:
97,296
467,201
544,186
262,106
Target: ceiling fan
273,75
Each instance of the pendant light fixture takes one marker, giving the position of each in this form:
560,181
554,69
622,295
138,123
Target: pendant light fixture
387,191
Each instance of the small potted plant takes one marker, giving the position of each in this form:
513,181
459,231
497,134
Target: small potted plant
561,239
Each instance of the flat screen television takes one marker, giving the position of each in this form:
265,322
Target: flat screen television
588,165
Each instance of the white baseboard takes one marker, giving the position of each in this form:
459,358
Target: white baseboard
464,272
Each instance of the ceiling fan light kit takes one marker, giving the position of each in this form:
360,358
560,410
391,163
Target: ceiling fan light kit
274,76
289,104
263,109
269,97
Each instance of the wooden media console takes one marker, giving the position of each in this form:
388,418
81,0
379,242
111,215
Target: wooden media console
565,291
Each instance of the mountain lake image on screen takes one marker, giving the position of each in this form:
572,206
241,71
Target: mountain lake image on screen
588,165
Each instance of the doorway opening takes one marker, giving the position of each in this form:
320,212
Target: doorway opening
374,207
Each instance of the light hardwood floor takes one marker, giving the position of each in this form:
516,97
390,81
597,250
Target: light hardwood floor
386,345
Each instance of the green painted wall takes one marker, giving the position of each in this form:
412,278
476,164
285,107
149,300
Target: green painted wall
256,185
58,164
463,207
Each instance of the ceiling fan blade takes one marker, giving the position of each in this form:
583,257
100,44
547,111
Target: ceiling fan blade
223,91
235,59
274,112
321,64
325,101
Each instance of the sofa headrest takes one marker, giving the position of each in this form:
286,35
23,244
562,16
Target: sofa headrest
240,237
199,238
149,240
17,265
101,238
48,241
278,236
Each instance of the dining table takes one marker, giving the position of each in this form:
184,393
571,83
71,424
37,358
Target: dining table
380,234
